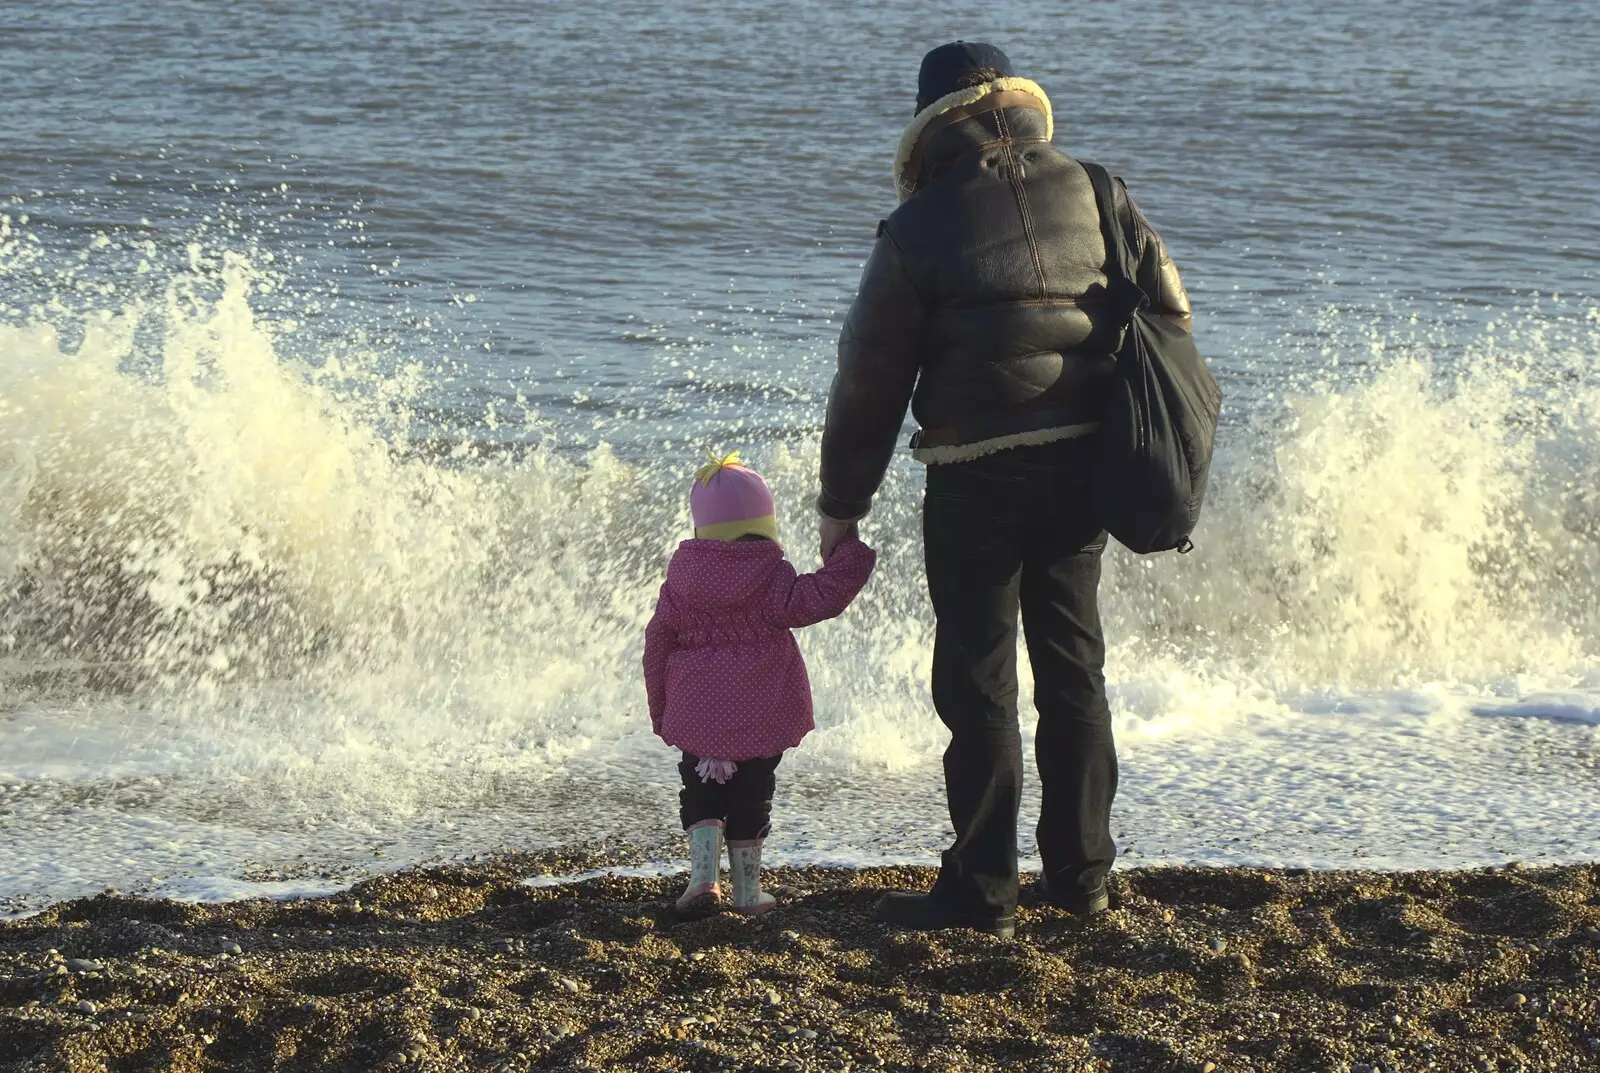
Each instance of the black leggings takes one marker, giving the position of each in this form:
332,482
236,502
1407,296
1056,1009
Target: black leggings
744,801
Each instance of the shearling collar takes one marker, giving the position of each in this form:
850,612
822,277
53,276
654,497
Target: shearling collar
961,98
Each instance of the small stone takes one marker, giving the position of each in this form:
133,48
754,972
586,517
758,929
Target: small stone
1209,1067
698,955
1517,1001
807,1033
568,985
85,1006
685,1022
773,998
1396,1020
502,946
230,947
1361,1067
428,894
1218,944
789,936
84,965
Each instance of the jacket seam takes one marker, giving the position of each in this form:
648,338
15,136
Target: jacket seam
1014,166
904,265
1069,301
1132,221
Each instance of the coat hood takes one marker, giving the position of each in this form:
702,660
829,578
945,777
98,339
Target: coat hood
713,575
964,104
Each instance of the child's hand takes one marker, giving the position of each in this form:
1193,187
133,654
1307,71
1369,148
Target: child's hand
834,533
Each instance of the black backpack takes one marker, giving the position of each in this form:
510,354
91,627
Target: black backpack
1157,432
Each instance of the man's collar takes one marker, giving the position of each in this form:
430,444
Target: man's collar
964,103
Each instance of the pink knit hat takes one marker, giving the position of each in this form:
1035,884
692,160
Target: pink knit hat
729,501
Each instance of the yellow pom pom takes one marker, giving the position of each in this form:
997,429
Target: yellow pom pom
716,465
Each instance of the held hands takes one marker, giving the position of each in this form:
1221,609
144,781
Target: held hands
833,533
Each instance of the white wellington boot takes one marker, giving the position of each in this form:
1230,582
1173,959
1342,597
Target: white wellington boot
705,861
744,868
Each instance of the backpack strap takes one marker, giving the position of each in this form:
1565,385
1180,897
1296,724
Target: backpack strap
1122,266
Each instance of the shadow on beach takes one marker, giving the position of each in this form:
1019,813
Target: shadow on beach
470,967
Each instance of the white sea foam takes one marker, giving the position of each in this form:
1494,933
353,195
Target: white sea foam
246,619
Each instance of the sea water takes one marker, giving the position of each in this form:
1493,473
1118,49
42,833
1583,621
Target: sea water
353,361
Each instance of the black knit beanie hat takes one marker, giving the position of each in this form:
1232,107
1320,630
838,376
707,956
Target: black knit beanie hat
945,66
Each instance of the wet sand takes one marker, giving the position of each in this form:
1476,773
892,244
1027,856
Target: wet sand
467,967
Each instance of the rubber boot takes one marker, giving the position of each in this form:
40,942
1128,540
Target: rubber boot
705,861
744,868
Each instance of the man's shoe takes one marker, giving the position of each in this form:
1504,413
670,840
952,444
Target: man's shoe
1096,901
924,912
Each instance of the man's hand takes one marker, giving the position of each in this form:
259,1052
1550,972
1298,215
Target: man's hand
833,533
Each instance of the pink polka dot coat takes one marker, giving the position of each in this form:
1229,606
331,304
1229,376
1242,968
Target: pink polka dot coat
724,675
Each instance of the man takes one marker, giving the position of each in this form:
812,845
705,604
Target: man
982,305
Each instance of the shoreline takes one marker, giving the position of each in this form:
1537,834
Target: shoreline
468,967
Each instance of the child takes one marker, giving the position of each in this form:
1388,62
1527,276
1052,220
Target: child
725,679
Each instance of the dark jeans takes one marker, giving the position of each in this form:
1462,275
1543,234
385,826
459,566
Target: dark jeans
1008,531
744,801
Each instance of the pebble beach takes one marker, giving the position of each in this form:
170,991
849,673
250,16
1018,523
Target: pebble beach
472,967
